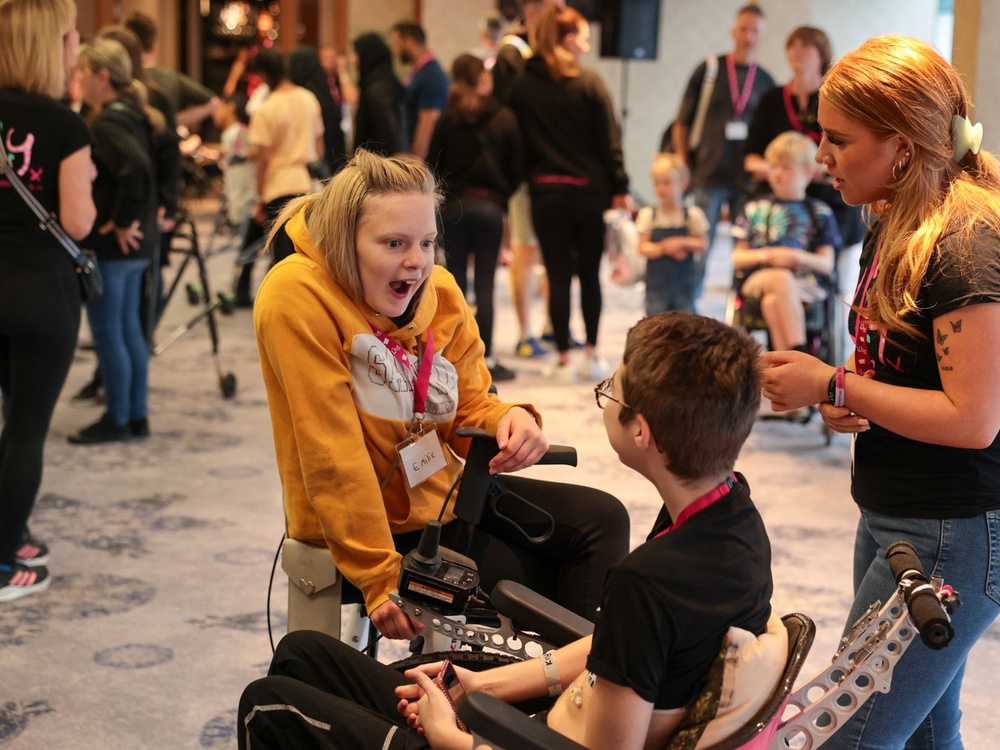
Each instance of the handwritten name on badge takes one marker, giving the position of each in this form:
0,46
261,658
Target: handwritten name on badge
423,458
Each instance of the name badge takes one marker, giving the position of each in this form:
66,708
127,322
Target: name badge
422,457
736,130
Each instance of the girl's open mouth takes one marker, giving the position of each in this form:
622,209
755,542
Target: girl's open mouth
401,288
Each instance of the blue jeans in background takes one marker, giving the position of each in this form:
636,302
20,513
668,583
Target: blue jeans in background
921,711
120,340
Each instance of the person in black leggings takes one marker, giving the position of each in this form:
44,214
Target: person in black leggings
575,172
39,293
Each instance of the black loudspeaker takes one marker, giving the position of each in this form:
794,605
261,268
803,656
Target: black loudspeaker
630,29
589,9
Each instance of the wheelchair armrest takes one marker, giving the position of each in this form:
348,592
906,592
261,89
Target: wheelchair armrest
557,454
503,726
533,612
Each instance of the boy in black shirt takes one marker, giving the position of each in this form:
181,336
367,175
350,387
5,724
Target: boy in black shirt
677,411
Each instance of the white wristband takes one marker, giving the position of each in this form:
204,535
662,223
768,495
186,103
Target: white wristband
552,678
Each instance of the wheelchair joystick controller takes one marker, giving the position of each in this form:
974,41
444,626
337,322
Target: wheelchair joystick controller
426,553
436,577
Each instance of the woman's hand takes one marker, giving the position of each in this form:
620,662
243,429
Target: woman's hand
392,622
794,379
843,420
521,442
128,238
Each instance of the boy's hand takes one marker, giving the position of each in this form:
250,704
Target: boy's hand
432,715
521,442
782,257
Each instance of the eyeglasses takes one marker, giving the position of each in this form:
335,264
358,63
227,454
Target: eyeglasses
603,390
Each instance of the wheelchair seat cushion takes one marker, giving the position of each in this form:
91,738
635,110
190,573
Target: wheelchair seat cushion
741,680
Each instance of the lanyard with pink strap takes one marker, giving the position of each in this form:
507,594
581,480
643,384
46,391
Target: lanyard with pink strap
713,496
740,99
422,376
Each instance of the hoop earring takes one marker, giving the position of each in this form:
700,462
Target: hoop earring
899,168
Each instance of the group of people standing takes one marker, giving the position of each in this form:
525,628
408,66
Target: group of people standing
111,177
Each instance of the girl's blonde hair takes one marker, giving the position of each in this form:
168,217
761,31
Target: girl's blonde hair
31,44
332,215
108,54
898,86
554,24
669,163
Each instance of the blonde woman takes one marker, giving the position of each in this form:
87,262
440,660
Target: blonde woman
130,167
39,292
920,392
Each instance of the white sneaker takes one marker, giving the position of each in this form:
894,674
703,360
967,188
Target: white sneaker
559,373
593,369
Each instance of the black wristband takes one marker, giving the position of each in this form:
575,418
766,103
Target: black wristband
831,389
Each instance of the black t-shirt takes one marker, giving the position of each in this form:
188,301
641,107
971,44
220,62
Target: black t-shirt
719,161
898,476
667,606
38,133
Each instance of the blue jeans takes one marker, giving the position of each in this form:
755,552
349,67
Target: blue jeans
922,708
120,340
710,200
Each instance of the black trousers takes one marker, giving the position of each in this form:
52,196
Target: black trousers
570,229
475,228
591,534
39,323
320,693
255,232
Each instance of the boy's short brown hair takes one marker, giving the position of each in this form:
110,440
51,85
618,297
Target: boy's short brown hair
696,381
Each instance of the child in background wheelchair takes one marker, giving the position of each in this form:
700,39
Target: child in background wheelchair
784,255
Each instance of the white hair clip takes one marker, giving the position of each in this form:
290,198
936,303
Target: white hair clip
965,137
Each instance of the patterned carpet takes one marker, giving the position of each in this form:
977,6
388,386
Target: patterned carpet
162,549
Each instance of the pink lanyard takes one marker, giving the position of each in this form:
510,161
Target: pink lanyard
862,356
738,98
422,378
700,504
793,117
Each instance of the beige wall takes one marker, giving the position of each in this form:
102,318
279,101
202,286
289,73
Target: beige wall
453,27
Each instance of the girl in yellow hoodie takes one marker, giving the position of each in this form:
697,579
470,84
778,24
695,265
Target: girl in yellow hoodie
359,335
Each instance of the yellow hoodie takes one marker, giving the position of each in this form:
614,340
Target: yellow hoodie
340,404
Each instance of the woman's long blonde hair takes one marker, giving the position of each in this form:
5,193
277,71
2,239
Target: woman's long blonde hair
111,55
31,44
553,25
333,214
900,86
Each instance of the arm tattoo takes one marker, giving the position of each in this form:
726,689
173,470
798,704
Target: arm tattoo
941,337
